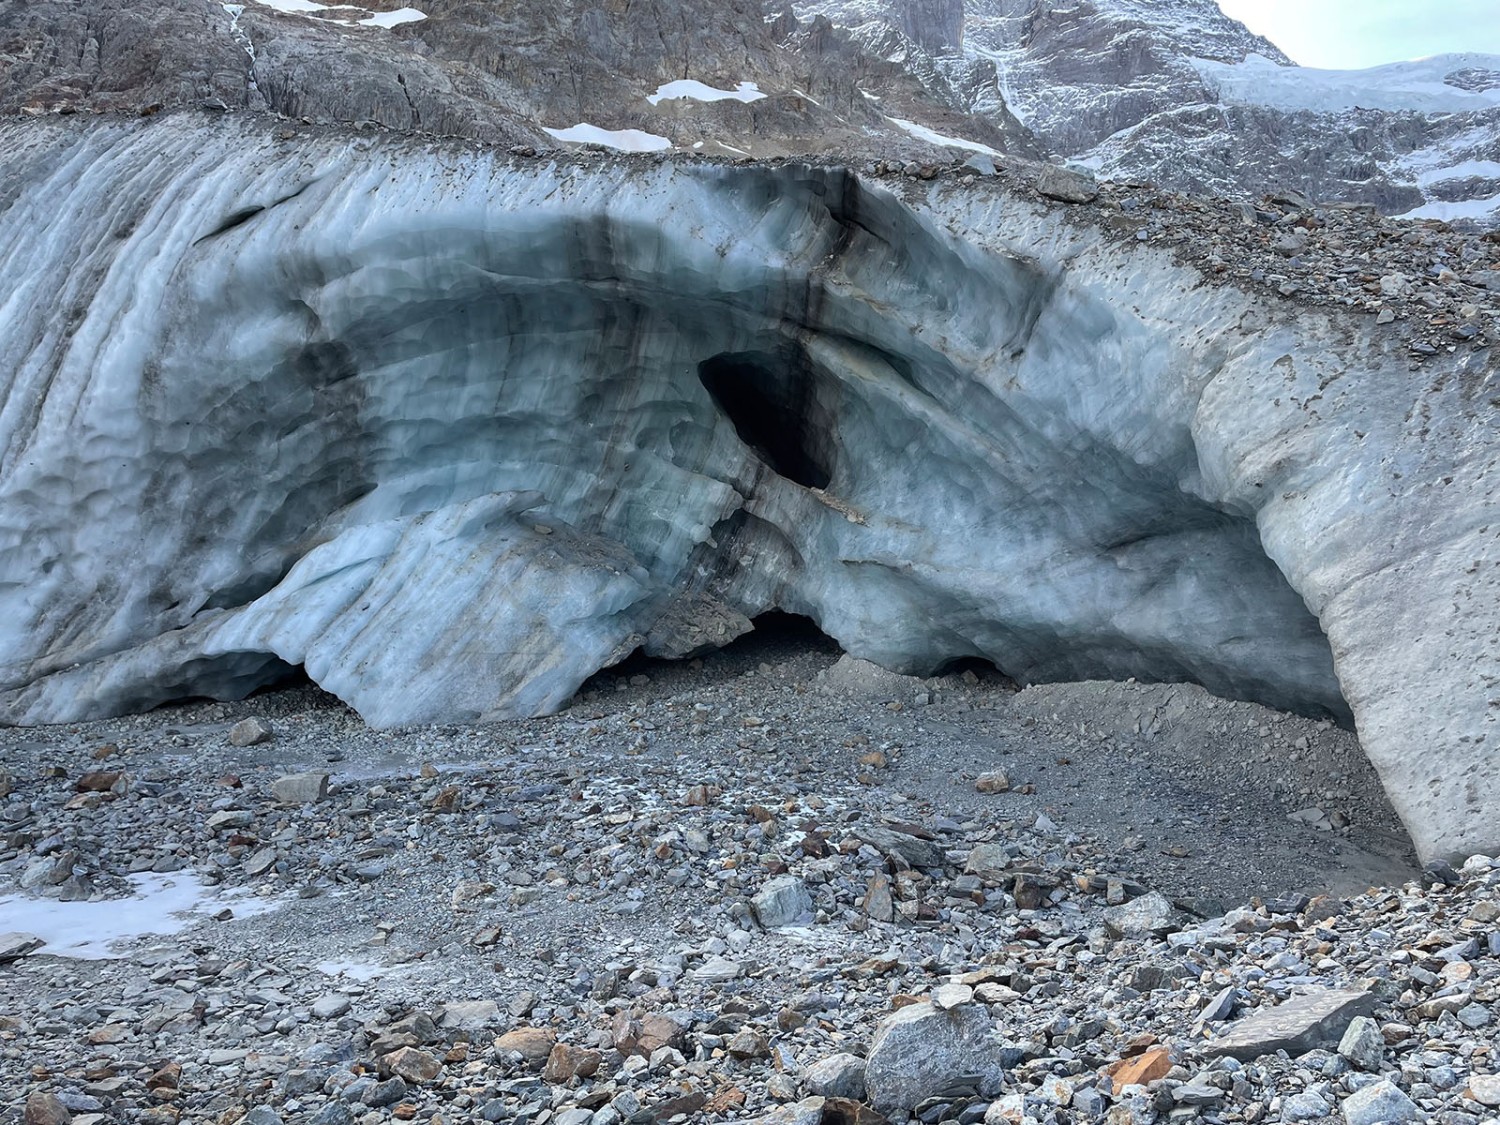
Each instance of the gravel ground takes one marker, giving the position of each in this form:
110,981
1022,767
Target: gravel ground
710,842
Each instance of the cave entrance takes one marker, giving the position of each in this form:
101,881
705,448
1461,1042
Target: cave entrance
773,402
786,643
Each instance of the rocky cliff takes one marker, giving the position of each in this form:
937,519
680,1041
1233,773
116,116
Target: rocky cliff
1174,92
452,430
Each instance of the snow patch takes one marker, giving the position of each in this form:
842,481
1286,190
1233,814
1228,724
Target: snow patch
922,133
346,15
700,92
1417,86
161,906
626,140
392,19
1480,209
354,970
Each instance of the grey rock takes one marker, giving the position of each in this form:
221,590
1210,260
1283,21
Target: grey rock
1474,1016
781,902
919,1049
1363,1045
910,850
1380,1103
1300,1024
470,1015
333,1113
331,1006
15,945
301,788
1151,915
262,1115
838,1076
1065,185
389,1092
259,862
249,732
1304,1106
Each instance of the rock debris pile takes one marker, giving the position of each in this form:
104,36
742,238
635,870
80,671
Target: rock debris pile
668,906
1436,283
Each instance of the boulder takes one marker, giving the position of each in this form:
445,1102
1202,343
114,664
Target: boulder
919,1049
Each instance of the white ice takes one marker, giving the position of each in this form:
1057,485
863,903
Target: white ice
1415,86
161,906
922,133
700,92
354,970
626,140
391,19
331,13
1463,209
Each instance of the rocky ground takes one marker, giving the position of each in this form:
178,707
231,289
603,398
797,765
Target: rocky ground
775,882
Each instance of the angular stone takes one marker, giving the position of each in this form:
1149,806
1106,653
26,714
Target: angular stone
534,1044
301,788
566,1062
1305,1105
1485,1089
413,1065
249,732
781,902
331,1006
258,863
838,1076
1151,915
1380,1103
991,862
43,1108
1065,185
1363,1044
911,850
15,945
996,781
920,1049
471,1015
1298,1025
1139,1070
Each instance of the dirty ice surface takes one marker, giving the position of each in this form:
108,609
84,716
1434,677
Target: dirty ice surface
161,906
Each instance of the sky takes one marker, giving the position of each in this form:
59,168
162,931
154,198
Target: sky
1348,34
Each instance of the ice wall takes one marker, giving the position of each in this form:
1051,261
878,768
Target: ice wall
454,432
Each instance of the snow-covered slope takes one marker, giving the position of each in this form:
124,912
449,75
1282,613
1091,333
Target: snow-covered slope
1176,92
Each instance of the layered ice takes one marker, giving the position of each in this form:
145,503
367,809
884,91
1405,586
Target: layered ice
453,432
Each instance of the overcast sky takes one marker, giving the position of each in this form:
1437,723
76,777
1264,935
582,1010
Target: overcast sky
1344,34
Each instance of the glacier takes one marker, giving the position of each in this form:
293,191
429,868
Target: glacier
452,430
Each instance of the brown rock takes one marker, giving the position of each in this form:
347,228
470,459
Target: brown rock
996,781
1141,1070
109,1033
645,1034
533,1043
166,1078
411,1064
567,1062
99,781
44,1109
249,732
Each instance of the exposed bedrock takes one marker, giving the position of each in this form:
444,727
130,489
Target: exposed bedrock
453,433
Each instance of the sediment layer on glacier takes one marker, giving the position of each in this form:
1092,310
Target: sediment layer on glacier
453,431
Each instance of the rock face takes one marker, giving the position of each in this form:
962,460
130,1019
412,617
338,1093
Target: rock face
1176,92
475,428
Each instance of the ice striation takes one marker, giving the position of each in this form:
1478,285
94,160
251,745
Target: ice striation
453,431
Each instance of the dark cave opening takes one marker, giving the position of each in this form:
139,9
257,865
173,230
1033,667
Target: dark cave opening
776,639
773,404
